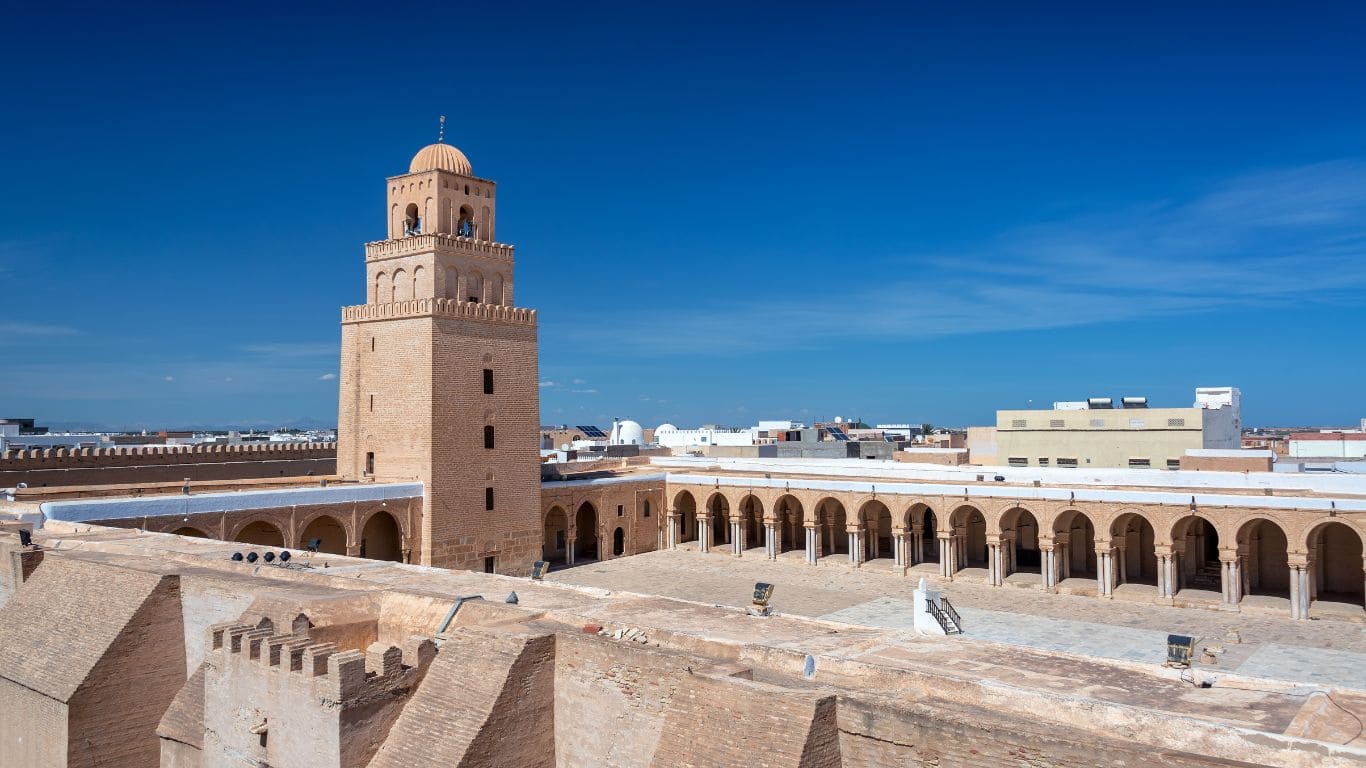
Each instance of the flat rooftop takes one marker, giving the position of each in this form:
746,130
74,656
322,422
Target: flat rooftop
854,630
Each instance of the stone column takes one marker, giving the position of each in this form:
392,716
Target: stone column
771,541
1064,544
1046,564
855,547
1104,572
917,547
994,563
810,545
674,522
737,540
1300,596
569,552
1230,581
1122,563
1313,576
703,534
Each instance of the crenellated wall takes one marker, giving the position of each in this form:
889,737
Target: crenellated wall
168,463
307,704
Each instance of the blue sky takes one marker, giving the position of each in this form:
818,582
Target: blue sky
895,212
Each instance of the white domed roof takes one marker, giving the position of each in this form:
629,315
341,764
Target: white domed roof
627,433
665,428
440,156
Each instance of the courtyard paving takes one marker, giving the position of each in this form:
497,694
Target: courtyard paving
1254,643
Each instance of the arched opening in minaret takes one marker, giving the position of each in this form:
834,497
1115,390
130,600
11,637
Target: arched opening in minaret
412,221
465,226
474,287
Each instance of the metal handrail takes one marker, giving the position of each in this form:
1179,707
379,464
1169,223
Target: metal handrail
948,608
943,619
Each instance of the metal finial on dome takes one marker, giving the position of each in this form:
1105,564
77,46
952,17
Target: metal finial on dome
441,131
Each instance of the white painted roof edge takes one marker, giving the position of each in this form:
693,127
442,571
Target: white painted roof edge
1081,476
1023,493
557,484
82,510
1232,453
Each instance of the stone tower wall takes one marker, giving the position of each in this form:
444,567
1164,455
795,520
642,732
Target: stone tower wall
412,389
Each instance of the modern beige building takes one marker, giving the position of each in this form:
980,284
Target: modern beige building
1103,433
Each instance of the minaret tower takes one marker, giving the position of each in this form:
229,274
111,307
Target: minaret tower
438,372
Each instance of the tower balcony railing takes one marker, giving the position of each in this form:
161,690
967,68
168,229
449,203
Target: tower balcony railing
472,310
469,246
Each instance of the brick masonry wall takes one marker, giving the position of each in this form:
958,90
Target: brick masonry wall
560,507
486,700
611,701
114,714
32,727
460,532
385,399
342,526
1227,463
112,466
424,376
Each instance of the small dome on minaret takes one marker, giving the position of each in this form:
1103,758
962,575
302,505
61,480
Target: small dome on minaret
440,157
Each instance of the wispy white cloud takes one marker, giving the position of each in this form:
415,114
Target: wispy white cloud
328,377
1271,239
584,391
29,331
548,384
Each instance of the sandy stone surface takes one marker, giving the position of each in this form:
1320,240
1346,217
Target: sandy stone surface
1258,643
